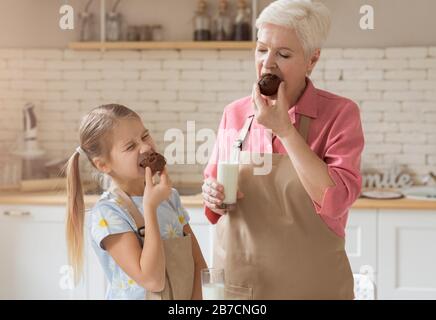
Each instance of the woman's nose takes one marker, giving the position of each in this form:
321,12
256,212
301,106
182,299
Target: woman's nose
269,62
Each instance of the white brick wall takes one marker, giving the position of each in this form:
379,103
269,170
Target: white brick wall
394,87
410,52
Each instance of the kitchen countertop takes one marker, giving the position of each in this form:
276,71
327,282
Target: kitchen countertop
59,199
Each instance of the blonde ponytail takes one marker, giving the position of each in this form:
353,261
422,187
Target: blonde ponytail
75,217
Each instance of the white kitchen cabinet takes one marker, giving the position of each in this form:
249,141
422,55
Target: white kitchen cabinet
34,256
203,231
361,239
407,254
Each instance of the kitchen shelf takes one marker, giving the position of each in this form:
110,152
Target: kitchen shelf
102,44
163,45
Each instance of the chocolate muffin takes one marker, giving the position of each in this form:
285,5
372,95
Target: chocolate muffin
269,84
155,161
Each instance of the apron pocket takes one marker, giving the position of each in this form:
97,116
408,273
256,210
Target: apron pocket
232,292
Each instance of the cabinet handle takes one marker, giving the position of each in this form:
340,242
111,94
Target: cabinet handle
16,213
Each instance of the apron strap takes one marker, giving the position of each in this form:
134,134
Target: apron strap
128,204
243,133
131,208
303,130
304,126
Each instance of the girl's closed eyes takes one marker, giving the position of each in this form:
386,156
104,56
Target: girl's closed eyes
133,145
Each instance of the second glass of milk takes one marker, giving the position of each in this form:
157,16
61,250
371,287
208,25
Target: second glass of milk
212,284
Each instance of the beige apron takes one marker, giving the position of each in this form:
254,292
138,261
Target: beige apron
274,243
179,261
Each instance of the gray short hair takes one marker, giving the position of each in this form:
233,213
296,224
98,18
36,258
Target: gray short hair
310,20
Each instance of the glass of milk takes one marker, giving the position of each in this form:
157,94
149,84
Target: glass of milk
212,284
227,175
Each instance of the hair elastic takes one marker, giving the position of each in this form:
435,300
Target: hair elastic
80,150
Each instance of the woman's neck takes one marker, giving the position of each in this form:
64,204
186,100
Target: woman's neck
300,92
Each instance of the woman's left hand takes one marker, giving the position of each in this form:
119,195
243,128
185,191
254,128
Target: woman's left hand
272,114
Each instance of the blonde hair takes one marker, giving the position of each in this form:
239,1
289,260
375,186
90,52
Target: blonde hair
310,20
95,141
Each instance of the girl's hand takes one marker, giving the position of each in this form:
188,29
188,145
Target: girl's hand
154,194
213,196
272,115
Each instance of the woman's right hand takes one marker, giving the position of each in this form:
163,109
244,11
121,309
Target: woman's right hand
154,194
213,196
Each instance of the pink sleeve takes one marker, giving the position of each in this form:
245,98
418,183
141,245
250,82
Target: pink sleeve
211,170
343,153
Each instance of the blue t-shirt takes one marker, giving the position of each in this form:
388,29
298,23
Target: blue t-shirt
108,217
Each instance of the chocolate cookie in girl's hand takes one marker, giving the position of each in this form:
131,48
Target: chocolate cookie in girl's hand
155,161
269,84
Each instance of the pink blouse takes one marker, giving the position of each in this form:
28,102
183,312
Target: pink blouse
335,135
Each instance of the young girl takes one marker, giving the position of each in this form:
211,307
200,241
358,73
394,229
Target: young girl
140,234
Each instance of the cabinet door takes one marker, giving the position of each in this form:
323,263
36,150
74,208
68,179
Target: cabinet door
407,255
203,231
361,239
34,256
33,253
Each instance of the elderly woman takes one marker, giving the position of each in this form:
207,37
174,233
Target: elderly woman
284,237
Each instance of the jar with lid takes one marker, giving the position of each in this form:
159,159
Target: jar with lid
157,32
132,33
242,27
144,32
222,23
113,26
87,25
113,23
202,23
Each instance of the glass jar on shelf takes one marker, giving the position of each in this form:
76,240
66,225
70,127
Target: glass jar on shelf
113,26
157,32
144,32
222,23
113,23
242,27
202,30
132,33
87,26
